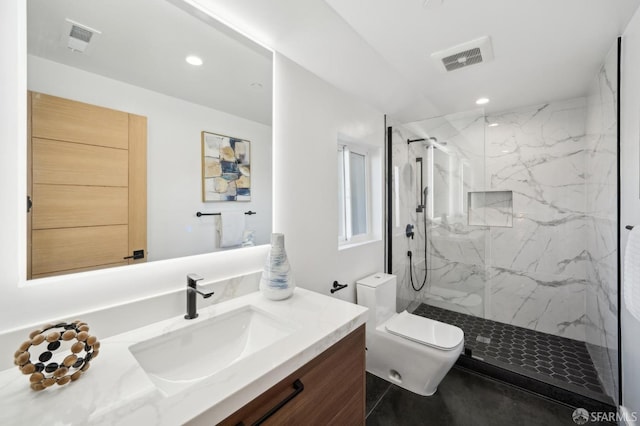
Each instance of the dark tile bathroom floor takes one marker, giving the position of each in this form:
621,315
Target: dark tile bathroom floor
464,398
564,360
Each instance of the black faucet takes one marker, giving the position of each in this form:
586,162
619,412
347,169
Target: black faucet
192,289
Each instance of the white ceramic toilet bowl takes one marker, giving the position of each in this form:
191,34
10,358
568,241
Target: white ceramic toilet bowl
415,365
411,351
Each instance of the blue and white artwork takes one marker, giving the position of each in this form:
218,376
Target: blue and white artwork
226,168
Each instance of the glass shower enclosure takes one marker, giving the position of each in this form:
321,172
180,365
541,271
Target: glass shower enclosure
504,224
434,180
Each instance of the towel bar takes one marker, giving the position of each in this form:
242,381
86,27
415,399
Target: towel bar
218,214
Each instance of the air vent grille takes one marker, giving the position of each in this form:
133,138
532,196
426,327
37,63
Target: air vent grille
462,59
80,33
463,55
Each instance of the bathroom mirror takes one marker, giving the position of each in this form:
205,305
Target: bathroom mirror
181,71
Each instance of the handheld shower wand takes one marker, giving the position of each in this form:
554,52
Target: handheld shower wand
420,209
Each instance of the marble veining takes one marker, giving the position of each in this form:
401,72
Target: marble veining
529,266
456,253
601,224
116,390
491,208
155,309
545,260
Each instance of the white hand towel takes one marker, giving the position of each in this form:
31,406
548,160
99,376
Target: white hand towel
631,277
231,229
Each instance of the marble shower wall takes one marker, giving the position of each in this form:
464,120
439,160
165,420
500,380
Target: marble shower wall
532,269
602,225
537,269
456,253
406,189
522,259
537,247
403,208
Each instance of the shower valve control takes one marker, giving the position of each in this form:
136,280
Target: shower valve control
409,231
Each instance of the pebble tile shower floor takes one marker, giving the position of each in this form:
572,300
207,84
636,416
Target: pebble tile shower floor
559,358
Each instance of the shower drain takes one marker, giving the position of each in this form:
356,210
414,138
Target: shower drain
483,339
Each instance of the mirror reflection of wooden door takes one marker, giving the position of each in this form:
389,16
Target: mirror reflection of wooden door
87,183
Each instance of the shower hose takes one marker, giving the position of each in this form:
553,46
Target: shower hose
426,265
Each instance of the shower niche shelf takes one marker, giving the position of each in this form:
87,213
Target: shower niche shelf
490,208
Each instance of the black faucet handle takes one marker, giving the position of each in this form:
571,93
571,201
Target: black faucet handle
192,279
205,295
409,231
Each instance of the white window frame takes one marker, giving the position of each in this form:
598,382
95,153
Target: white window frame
348,238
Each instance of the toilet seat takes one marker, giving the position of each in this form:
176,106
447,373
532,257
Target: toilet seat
425,331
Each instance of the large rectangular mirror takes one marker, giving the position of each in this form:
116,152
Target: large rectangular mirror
120,94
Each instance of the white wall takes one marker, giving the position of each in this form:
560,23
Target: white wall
308,115
12,157
630,198
173,157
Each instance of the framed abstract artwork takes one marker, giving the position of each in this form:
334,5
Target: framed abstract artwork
226,168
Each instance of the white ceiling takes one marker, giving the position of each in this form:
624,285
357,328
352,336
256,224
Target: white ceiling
544,50
380,50
145,42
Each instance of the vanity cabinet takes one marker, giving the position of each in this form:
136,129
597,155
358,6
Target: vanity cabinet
330,389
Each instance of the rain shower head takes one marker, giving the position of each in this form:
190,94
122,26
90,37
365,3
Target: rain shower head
415,140
435,140
427,142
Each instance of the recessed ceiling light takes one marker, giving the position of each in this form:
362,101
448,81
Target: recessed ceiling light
482,101
194,60
506,151
493,124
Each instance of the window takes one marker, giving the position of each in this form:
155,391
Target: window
353,194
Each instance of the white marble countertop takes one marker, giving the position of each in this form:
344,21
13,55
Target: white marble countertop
116,390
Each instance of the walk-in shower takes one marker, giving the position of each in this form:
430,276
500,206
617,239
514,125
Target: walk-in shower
508,231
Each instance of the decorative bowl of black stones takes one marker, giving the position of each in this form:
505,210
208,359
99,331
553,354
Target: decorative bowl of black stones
57,354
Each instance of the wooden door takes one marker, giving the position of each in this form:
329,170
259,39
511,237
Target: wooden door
87,182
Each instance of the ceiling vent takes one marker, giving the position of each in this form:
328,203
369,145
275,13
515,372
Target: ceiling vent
78,36
464,55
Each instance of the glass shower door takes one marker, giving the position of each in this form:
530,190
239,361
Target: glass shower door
436,163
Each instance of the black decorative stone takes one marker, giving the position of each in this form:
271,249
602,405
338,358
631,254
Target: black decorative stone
50,368
45,356
53,345
70,327
39,367
88,357
60,325
87,347
78,363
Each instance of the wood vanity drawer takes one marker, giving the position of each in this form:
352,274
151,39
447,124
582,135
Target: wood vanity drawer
334,390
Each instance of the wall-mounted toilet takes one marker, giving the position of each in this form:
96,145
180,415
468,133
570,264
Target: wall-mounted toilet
411,351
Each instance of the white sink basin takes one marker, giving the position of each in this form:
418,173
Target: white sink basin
181,358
